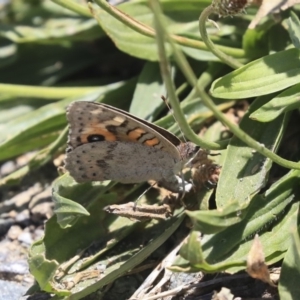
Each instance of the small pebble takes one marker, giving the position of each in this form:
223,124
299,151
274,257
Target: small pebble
25,238
16,267
11,290
23,216
38,234
7,168
5,225
25,158
14,232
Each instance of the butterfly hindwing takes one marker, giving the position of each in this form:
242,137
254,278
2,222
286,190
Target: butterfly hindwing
120,161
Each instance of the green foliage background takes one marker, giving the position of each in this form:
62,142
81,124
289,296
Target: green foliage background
54,53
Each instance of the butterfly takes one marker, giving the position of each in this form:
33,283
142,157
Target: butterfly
107,143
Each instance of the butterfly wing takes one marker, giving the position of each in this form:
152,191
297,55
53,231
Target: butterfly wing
165,133
125,162
93,122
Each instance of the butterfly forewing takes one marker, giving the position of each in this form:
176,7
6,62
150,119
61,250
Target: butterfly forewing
166,134
94,122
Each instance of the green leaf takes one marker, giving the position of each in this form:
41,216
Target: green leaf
8,54
94,236
125,38
41,158
282,103
263,76
44,271
289,285
64,206
26,145
294,29
270,215
255,42
244,171
128,255
147,102
50,65
191,248
278,38
56,30
192,260
213,221
140,45
67,210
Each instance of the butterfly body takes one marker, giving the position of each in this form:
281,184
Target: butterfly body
106,143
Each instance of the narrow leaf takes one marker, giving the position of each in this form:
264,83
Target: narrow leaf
289,288
284,102
263,76
294,29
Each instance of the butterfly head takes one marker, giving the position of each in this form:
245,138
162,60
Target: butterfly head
188,151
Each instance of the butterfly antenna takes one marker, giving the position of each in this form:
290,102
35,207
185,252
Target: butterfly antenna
172,112
143,193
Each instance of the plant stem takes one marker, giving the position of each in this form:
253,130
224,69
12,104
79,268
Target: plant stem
210,45
174,101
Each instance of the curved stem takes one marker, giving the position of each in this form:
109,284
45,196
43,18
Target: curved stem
210,45
174,101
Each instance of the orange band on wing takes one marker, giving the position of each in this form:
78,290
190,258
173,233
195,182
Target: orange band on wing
152,142
135,134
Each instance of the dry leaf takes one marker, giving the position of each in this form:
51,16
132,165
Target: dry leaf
271,6
140,212
256,266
